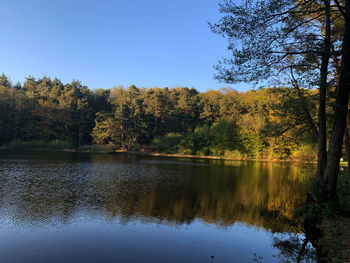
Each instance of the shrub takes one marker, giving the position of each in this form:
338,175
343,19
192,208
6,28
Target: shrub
251,143
19,144
58,144
235,154
307,153
170,143
39,144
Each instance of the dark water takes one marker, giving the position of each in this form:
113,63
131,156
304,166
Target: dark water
69,207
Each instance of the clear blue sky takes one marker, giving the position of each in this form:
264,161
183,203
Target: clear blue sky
105,43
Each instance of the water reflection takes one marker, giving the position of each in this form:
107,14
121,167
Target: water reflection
38,189
294,248
49,190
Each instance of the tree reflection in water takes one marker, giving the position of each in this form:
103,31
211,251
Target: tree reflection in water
260,194
55,188
294,248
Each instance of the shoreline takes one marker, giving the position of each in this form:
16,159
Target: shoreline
104,150
189,156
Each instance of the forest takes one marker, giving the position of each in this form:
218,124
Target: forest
267,123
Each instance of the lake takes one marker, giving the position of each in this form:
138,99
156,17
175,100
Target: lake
78,207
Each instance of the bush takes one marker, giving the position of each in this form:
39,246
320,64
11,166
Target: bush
235,154
222,136
251,143
205,151
306,153
170,143
58,144
19,144
38,144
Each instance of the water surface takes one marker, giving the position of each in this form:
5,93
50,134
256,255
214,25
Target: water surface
71,207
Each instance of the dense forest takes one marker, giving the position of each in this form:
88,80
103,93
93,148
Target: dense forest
270,123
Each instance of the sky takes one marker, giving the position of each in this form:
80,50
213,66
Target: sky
102,43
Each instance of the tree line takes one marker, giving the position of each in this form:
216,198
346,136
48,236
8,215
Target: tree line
270,123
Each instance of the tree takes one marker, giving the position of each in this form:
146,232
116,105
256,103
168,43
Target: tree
104,131
129,115
279,38
188,107
210,101
157,106
341,108
272,38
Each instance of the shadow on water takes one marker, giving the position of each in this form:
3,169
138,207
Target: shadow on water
40,189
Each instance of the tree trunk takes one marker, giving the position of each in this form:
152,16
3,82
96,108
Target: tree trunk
155,125
341,108
322,128
347,144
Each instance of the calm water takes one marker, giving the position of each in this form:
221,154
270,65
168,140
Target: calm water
69,207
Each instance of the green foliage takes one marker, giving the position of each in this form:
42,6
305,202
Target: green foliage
58,144
104,131
251,143
225,135
170,143
234,154
306,153
39,144
216,140
262,124
19,144
270,40
45,109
